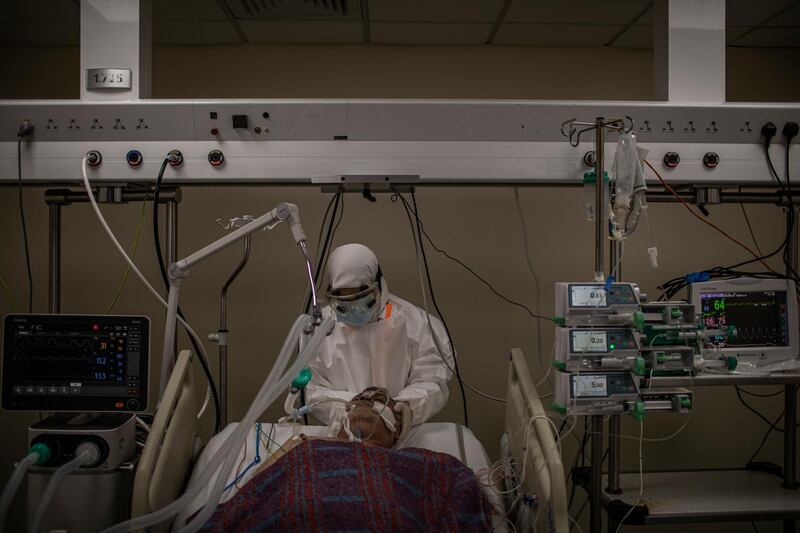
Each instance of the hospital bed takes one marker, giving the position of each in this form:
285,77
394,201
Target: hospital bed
537,473
168,457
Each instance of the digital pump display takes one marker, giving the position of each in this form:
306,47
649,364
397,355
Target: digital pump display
584,341
760,317
589,386
587,296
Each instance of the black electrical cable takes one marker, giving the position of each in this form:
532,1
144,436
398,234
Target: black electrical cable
333,234
163,269
20,136
475,274
753,410
757,395
766,436
580,454
673,286
435,303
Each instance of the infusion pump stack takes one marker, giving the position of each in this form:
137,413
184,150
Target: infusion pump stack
92,371
613,349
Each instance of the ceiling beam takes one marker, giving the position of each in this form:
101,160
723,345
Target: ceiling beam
689,50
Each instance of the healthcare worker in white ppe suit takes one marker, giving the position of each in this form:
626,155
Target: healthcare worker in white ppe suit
379,341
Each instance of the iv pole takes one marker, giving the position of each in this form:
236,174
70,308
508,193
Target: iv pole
221,336
600,235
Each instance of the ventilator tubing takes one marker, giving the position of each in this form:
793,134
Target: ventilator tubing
55,480
275,384
13,484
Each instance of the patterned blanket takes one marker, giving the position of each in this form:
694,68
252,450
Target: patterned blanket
348,487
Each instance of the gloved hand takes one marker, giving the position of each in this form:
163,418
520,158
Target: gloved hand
403,417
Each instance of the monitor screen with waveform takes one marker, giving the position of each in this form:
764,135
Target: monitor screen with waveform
75,362
761,318
763,313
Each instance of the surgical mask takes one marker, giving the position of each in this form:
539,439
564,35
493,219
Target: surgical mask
356,312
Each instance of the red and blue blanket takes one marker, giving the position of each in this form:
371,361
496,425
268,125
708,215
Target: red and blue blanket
326,486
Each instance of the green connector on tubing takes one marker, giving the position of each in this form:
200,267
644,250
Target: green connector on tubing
590,177
302,379
559,408
638,366
41,449
638,411
559,365
676,313
638,320
732,362
686,402
560,321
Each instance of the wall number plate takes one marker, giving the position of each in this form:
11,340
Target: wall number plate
108,78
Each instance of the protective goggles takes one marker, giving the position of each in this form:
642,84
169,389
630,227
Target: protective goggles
363,291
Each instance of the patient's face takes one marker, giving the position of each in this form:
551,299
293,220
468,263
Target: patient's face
366,424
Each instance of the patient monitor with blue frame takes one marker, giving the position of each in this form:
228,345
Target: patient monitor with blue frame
763,311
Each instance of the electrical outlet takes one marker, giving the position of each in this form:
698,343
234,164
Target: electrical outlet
689,127
118,125
51,125
141,125
667,128
73,125
645,126
712,127
746,127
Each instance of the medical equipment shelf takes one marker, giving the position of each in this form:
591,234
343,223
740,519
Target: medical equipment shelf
709,380
703,496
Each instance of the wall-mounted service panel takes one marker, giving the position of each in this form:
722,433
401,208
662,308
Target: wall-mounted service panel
448,141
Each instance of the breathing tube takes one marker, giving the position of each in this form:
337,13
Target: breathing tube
222,463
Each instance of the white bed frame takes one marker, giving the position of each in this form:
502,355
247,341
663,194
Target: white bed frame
529,439
167,456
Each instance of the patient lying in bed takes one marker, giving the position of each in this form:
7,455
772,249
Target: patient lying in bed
333,483
324,484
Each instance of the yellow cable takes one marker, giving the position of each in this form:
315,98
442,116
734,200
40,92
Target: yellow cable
132,254
8,295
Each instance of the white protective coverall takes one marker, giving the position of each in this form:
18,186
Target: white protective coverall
395,350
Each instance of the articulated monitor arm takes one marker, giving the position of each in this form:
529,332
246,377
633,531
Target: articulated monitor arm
177,271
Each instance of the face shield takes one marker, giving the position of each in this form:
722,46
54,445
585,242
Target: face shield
356,308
